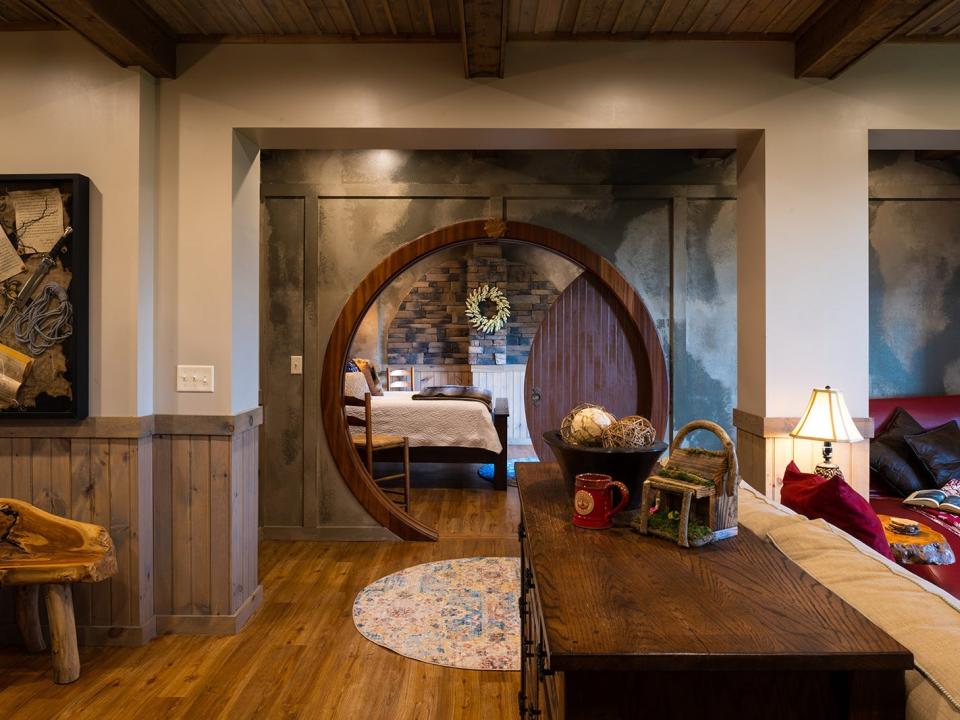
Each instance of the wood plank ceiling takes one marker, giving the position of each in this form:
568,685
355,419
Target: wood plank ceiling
829,34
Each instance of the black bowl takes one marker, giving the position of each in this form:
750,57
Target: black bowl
631,466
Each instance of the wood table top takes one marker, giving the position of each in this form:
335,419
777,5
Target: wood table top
615,599
926,536
927,547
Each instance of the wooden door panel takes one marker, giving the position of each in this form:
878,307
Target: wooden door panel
586,350
281,335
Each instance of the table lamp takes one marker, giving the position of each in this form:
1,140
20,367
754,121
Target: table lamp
827,418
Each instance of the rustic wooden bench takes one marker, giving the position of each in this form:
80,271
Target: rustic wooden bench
37,548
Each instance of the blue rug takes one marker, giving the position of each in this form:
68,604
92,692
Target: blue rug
486,471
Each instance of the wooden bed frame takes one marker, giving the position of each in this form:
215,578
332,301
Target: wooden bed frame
469,455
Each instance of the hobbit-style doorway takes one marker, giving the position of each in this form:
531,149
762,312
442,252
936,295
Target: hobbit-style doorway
664,219
651,380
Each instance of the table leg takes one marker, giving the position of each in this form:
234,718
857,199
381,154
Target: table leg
28,617
877,695
63,633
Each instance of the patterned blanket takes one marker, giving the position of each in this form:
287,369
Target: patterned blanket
456,392
942,519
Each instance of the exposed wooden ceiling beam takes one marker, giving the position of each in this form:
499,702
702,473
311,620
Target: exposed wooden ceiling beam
122,30
483,32
848,31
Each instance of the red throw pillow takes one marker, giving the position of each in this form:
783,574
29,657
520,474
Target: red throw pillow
837,503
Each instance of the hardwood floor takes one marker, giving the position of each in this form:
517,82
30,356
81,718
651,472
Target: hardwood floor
301,655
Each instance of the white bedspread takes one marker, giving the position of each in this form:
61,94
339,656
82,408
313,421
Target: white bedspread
432,423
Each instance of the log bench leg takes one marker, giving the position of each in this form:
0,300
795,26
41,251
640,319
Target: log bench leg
63,633
28,617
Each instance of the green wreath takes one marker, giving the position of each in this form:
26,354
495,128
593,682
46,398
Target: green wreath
475,316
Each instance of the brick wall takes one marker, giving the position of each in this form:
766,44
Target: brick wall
430,327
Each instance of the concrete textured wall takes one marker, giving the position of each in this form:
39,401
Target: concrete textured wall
914,275
687,277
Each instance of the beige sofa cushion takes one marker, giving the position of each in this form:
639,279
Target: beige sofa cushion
917,614
760,515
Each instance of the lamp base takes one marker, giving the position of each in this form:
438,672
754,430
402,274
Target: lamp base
829,470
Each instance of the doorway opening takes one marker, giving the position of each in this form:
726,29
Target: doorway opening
664,219
599,283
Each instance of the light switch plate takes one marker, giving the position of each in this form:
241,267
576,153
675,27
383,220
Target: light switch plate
296,364
195,378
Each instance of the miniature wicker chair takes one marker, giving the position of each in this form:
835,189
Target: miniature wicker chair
699,477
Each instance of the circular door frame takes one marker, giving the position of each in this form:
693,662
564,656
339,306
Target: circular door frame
347,460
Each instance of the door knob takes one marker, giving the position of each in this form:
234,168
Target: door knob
535,396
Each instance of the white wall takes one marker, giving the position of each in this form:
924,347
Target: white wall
66,108
74,110
815,266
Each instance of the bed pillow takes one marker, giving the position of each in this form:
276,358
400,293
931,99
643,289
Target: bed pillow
355,385
939,451
370,373
833,500
893,460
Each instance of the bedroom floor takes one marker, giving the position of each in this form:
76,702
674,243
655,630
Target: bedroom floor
457,501
300,656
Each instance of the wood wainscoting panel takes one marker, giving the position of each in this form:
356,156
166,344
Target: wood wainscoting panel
206,509
427,375
765,448
181,507
507,381
107,481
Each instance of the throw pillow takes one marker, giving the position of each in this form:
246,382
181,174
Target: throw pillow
893,460
939,451
370,373
350,366
898,473
355,385
836,502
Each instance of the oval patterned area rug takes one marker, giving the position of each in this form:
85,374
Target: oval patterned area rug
461,613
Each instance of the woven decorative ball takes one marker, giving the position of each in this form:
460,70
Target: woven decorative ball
632,431
568,421
588,425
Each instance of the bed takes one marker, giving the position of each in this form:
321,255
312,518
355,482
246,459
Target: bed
444,431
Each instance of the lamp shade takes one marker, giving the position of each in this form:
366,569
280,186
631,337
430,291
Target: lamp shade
827,418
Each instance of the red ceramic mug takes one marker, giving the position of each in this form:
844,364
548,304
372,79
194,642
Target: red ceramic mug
593,500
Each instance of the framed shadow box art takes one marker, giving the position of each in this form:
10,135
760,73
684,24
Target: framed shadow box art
44,288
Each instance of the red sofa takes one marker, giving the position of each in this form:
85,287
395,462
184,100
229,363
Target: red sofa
929,412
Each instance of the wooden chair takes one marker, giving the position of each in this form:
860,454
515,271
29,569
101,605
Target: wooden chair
37,548
401,379
369,442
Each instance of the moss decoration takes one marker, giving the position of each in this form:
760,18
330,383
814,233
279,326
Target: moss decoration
664,526
685,477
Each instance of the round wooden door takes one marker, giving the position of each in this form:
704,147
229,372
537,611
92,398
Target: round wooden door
587,349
